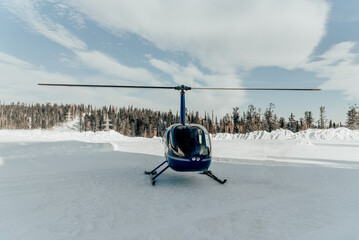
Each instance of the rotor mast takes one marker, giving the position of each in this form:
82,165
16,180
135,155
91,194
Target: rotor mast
183,90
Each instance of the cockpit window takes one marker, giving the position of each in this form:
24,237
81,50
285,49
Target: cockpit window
187,141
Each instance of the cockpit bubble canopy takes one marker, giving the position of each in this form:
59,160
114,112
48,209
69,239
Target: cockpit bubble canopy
190,140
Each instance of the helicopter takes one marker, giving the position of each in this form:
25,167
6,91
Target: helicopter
187,146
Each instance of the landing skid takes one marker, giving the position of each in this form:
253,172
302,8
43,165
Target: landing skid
153,174
211,175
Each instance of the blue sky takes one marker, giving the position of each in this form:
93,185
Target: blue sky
204,43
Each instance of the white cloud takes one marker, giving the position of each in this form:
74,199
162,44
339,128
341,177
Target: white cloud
340,66
19,83
203,100
28,12
190,75
63,10
224,36
6,58
110,66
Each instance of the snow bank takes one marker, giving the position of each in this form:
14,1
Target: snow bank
60,135
70,132
329,134
277,134
300,137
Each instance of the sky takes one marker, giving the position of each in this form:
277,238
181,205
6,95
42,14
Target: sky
203,43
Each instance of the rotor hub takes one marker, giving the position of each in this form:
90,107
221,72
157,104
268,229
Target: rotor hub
182,88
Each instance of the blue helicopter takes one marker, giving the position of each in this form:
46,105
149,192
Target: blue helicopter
187,146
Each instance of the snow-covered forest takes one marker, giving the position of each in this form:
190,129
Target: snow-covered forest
133,121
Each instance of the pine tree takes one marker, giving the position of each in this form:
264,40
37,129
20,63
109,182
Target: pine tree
252,120
235,118
308,117
292,123
268,118
282,123
301,124
353,117
227,124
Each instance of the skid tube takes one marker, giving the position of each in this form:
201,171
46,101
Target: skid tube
153,174
211,175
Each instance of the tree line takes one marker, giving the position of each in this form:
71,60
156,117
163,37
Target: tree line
131,121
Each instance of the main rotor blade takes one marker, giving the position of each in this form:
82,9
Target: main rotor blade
261,89
182,87
99,86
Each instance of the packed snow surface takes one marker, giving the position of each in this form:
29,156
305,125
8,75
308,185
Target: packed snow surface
63,184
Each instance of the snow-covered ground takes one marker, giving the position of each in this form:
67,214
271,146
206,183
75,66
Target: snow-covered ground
62,184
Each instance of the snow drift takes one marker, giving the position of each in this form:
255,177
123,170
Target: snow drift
71,131
309,134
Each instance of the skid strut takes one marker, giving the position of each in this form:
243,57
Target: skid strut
211,175
153,174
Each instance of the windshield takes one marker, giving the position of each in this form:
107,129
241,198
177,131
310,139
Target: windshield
187,141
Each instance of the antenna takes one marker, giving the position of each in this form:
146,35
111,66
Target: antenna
107,123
